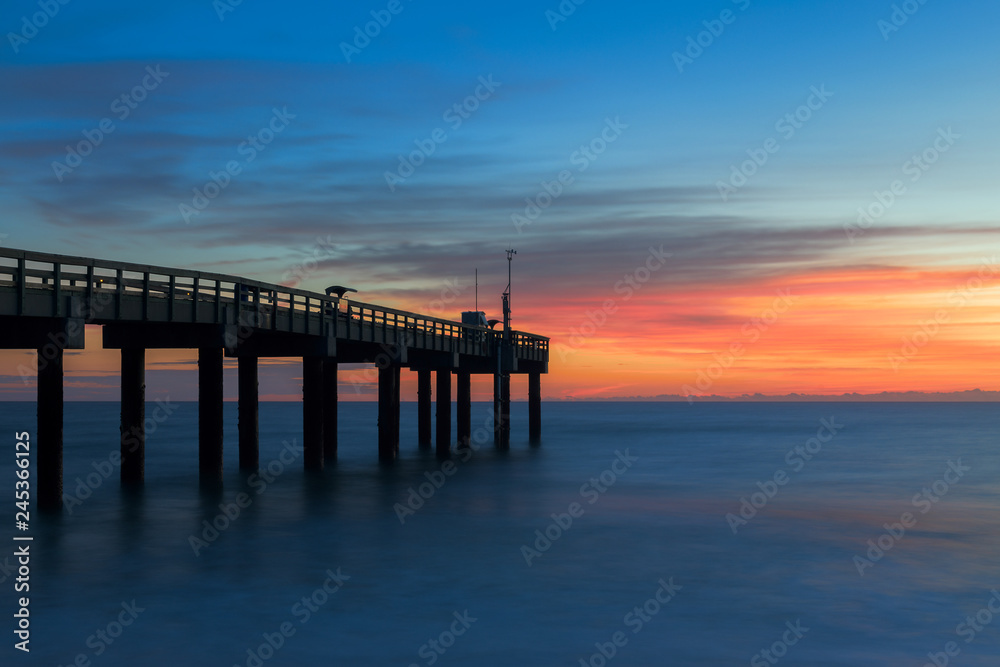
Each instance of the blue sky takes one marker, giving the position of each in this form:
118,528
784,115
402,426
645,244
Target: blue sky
680,133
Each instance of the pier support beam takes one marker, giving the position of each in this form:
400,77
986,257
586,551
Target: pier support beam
443,412
312,412
249,417
464,407
424,407
501,410
133,417
210,413
50,427
388,413
396,386
496,410
534,406
330,408
505,410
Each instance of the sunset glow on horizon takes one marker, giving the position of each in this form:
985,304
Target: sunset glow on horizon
804,202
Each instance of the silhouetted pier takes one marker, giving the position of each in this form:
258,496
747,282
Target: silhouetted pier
46,299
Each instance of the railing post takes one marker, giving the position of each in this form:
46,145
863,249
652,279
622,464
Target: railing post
272,297
218,301
194,298
22,278
257,310
170,301
90,292
119,292
145,296
57,309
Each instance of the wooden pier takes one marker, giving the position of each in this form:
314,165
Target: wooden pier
46,300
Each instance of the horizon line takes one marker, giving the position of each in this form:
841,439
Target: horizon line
912,396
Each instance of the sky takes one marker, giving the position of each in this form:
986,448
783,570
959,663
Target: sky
719,197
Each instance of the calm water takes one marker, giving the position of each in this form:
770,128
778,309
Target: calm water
455,572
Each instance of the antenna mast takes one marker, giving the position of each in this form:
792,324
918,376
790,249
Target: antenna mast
506,296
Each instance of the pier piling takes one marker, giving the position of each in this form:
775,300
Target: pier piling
464,406
424,407
133,415
501,411
534,406
388,413
330,407
249,413
505,410
312,412
210,413
50,427
443,412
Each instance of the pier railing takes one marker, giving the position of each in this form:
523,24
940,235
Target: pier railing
48,285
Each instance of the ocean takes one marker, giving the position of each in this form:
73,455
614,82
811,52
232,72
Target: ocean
632,534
